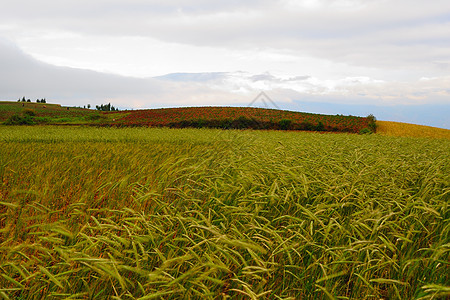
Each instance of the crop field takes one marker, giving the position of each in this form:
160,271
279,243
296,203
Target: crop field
412,130
159,213
242,117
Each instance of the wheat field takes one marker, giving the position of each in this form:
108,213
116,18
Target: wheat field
142,213
411,130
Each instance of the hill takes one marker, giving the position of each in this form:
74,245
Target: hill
243,117
212,117
209,117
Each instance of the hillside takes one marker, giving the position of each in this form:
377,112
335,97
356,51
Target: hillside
212,117
197,117
243,117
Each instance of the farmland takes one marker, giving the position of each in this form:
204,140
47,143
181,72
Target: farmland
412,130
148,213
243,117
197,117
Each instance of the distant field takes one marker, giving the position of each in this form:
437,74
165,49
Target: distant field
186,117
159,213
411,130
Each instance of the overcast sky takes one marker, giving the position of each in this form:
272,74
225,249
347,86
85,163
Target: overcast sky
387,54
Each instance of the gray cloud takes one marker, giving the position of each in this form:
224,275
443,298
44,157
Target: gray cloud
358,32
393,40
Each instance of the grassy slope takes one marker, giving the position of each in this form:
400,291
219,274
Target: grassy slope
202,214
47,113
404,129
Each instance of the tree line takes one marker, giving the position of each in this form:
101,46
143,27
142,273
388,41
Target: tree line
28,100
106,107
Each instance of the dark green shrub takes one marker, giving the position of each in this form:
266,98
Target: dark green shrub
241,123
320,127
225,124
285,124
306,126
199,123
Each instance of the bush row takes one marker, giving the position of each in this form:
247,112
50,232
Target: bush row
249,123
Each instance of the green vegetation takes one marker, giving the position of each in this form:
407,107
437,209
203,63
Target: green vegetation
142,213
23,119
16,113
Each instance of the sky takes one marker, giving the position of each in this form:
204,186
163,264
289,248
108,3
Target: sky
386,57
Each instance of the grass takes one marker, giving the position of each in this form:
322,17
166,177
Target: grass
403,129
139,213
45,113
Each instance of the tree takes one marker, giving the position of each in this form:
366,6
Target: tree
88,106
106,107
372,122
